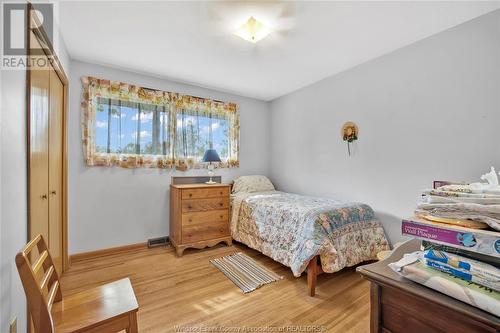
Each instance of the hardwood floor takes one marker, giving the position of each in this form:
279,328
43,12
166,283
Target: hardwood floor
188,294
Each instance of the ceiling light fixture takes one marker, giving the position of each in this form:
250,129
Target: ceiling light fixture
252,30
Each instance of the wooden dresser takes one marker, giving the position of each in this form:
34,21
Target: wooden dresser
199,216
400,305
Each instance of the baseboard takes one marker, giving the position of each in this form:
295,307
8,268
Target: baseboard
106,252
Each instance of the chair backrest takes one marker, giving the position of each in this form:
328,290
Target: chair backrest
40,282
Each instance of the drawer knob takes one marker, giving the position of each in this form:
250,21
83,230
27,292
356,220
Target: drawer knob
221,216
221,204
189,207
190,194
190,220
220,193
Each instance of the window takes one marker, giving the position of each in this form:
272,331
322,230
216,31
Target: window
124,127
129,126
195,133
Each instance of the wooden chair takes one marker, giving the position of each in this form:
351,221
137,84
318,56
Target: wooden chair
108,308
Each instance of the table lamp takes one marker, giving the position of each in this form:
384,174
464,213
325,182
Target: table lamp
209,157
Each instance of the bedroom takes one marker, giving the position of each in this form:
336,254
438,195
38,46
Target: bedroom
417,85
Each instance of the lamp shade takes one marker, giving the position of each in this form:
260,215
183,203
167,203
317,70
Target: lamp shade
211,156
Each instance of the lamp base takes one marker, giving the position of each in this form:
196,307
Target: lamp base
210,174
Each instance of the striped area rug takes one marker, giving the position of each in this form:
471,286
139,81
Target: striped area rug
244,272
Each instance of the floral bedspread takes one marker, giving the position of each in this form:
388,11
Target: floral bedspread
292,229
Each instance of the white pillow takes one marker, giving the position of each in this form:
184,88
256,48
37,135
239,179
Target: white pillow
256,183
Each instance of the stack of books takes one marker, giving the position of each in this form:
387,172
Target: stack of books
460,256
478,244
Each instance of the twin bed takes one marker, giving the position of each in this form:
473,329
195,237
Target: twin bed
302,232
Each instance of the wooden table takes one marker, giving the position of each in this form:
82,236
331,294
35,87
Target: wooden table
401,305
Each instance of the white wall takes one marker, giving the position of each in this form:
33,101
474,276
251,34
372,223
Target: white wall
115,206
13,196
1,260
13,204
1,223
427,111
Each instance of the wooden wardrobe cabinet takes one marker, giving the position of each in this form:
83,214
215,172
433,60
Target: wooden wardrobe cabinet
46,156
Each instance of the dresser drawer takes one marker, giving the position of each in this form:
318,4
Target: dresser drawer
202,232
199,215
210,216
197,193
204,204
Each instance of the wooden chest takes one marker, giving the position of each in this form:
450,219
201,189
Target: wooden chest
399,305
199,215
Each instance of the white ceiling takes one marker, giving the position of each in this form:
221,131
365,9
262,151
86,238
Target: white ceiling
192,42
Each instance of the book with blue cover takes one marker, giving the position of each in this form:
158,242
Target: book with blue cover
494,261
471,293
464,268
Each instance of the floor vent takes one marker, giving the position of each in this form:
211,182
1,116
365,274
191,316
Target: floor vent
153,242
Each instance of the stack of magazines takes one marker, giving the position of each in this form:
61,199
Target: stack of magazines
459,225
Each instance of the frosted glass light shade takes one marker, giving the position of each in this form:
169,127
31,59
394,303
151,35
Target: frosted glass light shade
252,30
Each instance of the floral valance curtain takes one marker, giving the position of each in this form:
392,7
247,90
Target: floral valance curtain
130,126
